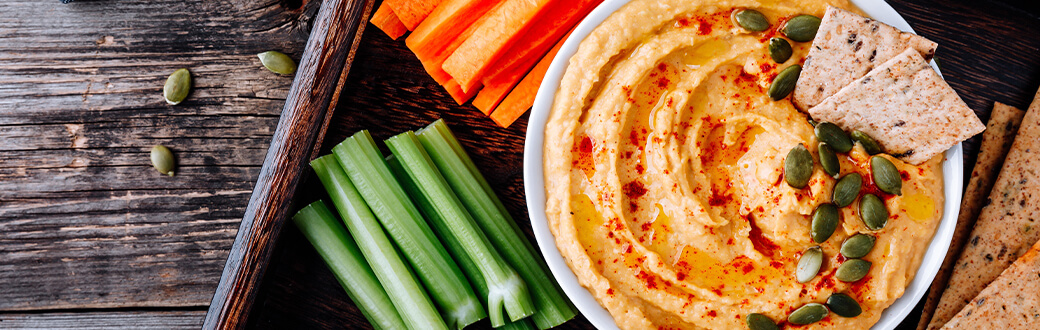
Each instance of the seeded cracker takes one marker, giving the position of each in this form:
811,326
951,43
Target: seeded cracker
1011,302
1007,226
905,106
846,47
996,141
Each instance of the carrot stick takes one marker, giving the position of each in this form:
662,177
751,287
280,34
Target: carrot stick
536,42
385,19
447,27
412,12
522,96
504,26
456,92
494,91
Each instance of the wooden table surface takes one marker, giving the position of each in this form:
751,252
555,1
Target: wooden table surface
92,237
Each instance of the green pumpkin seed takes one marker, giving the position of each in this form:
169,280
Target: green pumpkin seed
162,159
824,221
829,160
843,305
833,135
873,212
852,270
886,176
177,86
784,82
798,167
869,144
756,321
809,264
751,20
857,246
801,28
779,49
846,190
812,122
808,314
277,62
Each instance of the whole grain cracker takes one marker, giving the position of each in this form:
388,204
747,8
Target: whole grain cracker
1011,302
846,47
996,141
1007,225
904,105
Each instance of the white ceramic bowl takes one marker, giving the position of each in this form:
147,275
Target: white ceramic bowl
534,183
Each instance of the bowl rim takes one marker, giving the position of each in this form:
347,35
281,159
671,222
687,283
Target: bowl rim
534,187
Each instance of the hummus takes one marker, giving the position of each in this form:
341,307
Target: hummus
664,176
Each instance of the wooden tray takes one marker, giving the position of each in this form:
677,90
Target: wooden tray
275,280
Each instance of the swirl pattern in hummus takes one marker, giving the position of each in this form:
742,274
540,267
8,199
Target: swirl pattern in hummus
663,171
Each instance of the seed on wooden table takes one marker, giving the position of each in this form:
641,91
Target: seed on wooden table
177,86
277,62
162,159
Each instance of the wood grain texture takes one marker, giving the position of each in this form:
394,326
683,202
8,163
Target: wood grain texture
312,98
388,92
85,222
140,320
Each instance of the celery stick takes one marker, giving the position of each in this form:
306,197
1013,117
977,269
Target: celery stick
404,289
342,256
454,246
475,193
506,289
412,235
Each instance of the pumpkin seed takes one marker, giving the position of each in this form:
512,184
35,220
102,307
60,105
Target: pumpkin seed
809,264
824,221
784,82
801,28
843,305
846,190
277,62
779,49
808,314
852,270
177,86
873,212
886,176
751,20
869,144
812,122
829,160
857,246
833,135
756,321
162,159
798,167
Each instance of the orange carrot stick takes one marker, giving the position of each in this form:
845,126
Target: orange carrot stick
503,26
456,92
522,96
411,12
447,27
385,19
494,91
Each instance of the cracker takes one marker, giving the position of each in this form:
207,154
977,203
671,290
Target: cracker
846,47
996,141
904,105
1011,302
1007,226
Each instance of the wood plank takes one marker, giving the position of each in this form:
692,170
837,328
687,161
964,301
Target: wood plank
85,222
141,320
